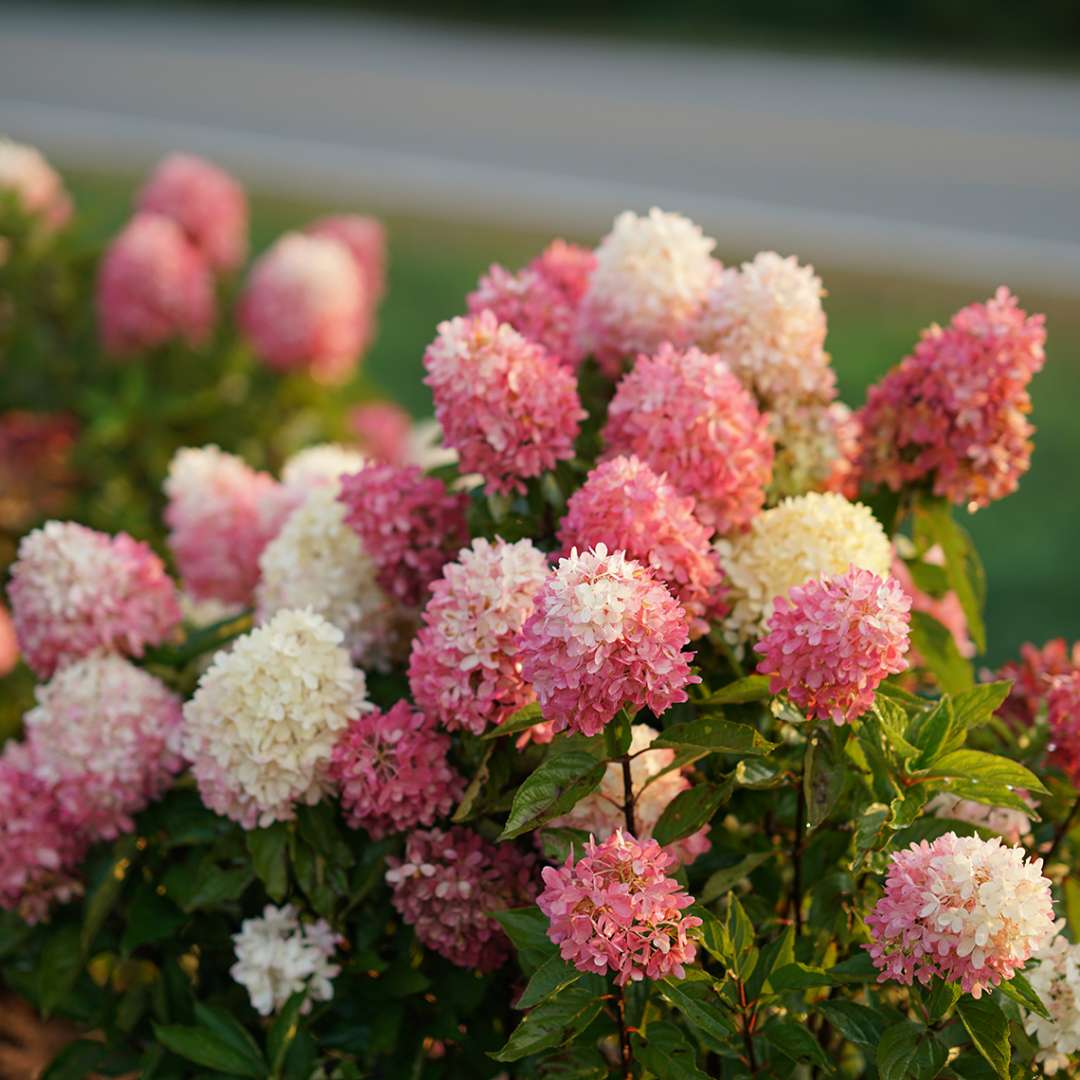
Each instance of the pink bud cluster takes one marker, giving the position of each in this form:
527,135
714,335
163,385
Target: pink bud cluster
74,591
1033,675
617,910
36,186
685,414
409,524
465,666
383,430
831,641
955,411
391,770
542,302
604,634
154,287
626,506
447,884
1063,715
508,407
365,239
968,910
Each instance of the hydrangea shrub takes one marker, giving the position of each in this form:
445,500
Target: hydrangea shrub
637,729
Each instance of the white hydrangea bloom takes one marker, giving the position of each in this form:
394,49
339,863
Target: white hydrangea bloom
262,724
320,465
278,956
1057,982
814,535
425,447
651,278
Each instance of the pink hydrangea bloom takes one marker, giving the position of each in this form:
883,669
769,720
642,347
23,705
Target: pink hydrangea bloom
392,771
946,609
617,910
1063,714
956,409
409,524
113,731
383,431
685,414
206,202
968,910
604,634
505,404
652,277
447,884
9,643
303,308
74,590
1033,675
1011,824
601,812
36,185
153,287
542,302
40,848
465,667
831,641
628,507
365,238
221,514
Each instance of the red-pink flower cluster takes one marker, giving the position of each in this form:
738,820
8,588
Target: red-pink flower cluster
617,910
74,591
107,734
508,407
685,414
956,410
221,514
39,847
9,643
446,885
365,238
1033,675
628,507
304,309
153,287
604,634
392,771
383,431
831,641
967,910
1063,715
409,524
206,202
465,666
542,302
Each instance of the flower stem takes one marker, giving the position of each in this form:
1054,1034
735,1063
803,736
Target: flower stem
628,795
1062,829
625,1056
797,852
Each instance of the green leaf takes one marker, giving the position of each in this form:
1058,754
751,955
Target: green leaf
217,886
930,733
150,918
908,1051
553,789
940,653
798,977
618,736
1023,993
741,692
696,999
778,953
934,524
989,1031
981,768
558,843
857,1023
858,968
553,1023
722,880
794,1041
740,934
526,717
202,1046
284,1031
104,898
226,1027
665,1051
711,735
553,975
975,706
269,856
482,773
824,777
759,775
940,999
76,1061
870,831
689,811
527,929
58,967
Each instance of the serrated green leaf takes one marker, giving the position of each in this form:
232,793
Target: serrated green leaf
794,1041
858,968
203,1047
227,1028
104,898
553,1023
870,831
908,1051
552,976
777,953
975,706
713,735
699,1004
930,733
58,968
758,774
464,809
741,692
1023,993
857,1023
665,1051
799,976
979,768
727,878
526,717
689,811
527,929
939,651
269,856
940,998
989,1030
553,789
150,918
558,843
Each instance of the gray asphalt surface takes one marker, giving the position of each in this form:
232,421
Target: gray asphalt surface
887,165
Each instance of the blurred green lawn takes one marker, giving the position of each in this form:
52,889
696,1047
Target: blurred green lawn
1026,540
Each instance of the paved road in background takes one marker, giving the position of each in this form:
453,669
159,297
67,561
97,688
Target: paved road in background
887,165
